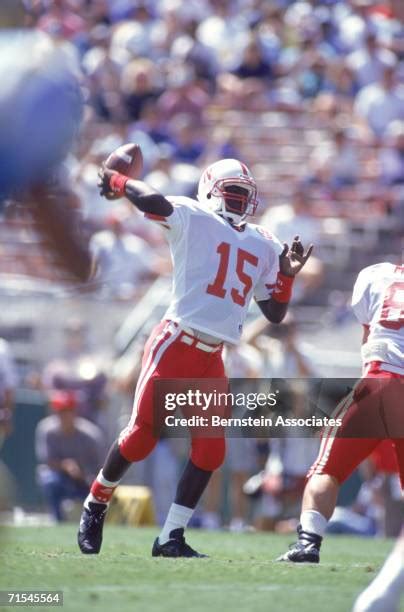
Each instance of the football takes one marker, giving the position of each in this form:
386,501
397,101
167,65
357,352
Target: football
126,159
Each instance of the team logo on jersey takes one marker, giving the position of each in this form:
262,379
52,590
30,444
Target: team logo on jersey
265,233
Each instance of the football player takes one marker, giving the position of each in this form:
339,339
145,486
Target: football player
375,406
220,262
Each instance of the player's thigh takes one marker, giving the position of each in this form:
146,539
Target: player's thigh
339,457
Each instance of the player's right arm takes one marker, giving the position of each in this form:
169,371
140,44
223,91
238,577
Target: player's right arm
144,197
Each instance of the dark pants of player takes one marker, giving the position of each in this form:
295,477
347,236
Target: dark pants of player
172,354
373,412
58,487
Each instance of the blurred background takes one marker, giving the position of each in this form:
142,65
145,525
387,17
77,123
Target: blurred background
310,95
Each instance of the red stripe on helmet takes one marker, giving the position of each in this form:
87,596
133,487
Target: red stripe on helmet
244,169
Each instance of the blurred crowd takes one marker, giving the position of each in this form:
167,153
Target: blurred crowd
310,95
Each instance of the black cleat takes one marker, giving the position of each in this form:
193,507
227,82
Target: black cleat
175,547
306,549
89,537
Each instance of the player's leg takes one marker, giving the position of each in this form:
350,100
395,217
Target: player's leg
321,492
135,442
339,455
97,502
207,455
385,590
53,487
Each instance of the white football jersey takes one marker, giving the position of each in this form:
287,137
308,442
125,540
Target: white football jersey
217,268
378,302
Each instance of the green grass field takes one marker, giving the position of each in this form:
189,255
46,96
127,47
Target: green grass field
239,575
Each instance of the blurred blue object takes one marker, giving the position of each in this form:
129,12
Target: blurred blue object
40,108
347,522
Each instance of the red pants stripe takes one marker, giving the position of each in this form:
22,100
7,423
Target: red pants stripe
339,456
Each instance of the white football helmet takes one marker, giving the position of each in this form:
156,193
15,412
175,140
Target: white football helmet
228,188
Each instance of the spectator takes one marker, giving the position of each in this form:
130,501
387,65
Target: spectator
188,145
281,483
103,75
341,83
183,95
282,352
336,163
368,62
151,122
382,102
68,450
85,175
286,219
285,222
253,65
79,370
246,86
59,17
123,261
199,56
139,86
391,156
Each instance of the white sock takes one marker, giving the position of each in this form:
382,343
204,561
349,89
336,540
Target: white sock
313,522
177,517
100,483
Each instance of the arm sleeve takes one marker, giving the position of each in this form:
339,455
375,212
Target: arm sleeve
266,284
360,298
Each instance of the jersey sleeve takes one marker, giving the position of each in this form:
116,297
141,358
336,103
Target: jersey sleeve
360,298
266,284
175,223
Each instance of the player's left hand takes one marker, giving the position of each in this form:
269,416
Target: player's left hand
292,259
104,177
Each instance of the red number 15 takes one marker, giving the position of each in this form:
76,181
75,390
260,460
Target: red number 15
217,287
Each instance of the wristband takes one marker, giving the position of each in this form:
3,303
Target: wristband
117,184
283,288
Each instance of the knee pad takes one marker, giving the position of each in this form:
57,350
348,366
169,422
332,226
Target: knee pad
137,442
208,453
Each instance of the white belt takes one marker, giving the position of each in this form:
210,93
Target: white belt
194,337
